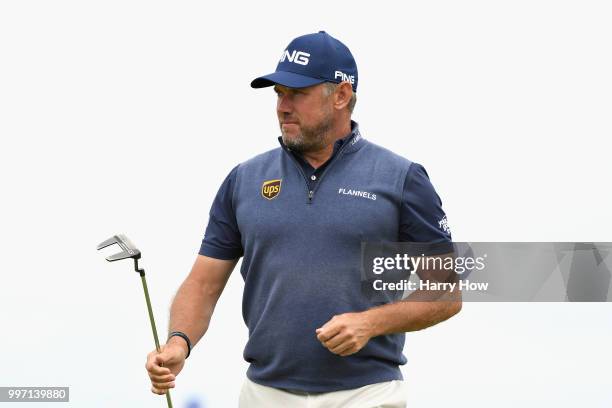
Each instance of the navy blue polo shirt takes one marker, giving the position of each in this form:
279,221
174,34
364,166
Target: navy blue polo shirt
301,243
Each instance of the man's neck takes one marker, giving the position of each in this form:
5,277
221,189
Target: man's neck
319,157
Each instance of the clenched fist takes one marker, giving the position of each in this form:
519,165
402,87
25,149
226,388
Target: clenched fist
345,334
163,367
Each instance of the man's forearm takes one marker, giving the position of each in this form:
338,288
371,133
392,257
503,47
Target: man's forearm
196,298
413,313
192,310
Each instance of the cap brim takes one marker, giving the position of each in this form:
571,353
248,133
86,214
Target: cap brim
288,79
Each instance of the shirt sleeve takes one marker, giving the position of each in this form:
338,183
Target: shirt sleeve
422,217
222,238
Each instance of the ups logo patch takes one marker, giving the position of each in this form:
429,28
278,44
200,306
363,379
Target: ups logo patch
271,188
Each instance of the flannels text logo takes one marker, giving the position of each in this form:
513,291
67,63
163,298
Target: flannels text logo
357,193
297,57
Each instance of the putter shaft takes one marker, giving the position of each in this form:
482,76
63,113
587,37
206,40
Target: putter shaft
151,319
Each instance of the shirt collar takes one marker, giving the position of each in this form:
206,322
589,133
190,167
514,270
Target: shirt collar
340,142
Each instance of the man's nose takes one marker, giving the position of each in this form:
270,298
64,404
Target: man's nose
284,104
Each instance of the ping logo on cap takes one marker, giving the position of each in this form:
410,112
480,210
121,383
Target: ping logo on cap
298,57
270,189
344,77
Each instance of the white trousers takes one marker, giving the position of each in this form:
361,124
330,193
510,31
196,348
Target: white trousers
390,394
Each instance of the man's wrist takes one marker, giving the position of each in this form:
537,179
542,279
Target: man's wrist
175,339
373,320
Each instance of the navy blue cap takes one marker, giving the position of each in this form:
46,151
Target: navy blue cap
312,59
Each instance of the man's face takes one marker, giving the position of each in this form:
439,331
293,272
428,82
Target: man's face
305,116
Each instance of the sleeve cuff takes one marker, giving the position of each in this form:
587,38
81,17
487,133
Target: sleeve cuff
220,253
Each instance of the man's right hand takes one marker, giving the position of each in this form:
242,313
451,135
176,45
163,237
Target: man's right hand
163,367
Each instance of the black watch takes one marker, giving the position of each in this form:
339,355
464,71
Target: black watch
184,336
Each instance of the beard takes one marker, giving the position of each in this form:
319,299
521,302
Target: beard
310,138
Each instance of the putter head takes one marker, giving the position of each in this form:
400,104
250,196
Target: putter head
129,249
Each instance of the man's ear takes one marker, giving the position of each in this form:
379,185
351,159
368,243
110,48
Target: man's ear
343,94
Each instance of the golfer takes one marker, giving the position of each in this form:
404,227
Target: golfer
297,216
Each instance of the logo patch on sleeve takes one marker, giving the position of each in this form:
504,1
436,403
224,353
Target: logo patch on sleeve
270,189
443,224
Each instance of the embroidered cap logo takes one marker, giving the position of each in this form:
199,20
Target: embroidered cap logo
271,188
295,56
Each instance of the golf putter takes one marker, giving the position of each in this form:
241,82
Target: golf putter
129,250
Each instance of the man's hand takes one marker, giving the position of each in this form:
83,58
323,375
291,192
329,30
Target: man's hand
345,334
163,367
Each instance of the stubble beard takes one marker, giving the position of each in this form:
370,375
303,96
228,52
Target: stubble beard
310,138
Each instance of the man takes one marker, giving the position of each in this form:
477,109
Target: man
298,215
